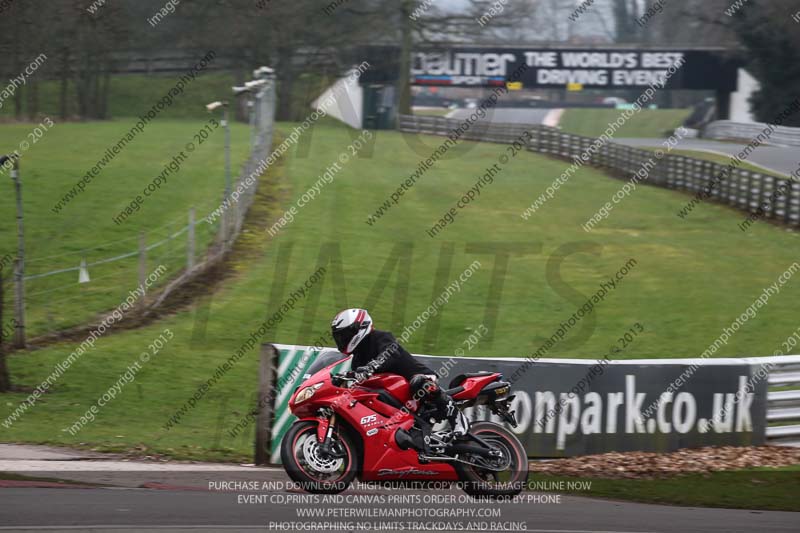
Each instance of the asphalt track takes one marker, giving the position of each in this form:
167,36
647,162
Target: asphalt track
781,159
506,115
112,509
178,496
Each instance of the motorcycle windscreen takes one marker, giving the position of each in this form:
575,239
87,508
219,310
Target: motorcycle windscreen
324,360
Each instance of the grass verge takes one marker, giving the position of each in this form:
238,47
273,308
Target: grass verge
646,123
725,160
688,284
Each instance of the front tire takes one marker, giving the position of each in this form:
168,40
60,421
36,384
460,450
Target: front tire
319,475
482,482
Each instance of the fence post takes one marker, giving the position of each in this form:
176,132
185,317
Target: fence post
19,265
190,241
19,305
5,381
142,265
226,229
266,403
223,230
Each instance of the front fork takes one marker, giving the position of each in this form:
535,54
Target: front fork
325,428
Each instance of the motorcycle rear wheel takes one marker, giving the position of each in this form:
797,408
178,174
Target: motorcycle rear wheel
476,481
313,472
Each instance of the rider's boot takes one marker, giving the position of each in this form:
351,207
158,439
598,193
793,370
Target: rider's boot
459,425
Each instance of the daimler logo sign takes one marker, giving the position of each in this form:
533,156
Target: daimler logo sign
617,68
462,68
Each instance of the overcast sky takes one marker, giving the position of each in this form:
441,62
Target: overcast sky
597,23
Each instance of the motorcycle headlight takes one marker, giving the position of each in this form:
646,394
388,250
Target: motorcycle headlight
307,393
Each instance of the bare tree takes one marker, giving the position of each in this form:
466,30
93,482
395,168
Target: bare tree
772,54
407,24
96,36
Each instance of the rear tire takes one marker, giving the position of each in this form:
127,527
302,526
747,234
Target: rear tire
481,482
299,455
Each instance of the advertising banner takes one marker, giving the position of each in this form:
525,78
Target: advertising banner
577,407
557,68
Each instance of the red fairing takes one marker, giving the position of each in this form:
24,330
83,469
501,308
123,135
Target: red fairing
322,428
472,386
395,385
360,410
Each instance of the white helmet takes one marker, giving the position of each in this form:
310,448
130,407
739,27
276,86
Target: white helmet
349,328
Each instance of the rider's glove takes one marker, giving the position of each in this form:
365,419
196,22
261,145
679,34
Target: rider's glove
361,373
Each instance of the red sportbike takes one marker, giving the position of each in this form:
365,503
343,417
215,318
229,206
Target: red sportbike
376,431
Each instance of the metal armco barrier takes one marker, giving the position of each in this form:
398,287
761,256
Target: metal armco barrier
727,130
568,407
783,404
742,189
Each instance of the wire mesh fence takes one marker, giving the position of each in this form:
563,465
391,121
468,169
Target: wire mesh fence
97,278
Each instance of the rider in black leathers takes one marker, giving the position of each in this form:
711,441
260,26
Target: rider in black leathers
377,351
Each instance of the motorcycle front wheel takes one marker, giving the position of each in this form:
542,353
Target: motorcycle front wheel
509,481
302,460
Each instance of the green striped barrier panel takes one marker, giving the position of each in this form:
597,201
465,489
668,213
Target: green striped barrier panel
293,361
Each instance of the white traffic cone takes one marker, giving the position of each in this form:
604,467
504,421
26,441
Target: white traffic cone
83,273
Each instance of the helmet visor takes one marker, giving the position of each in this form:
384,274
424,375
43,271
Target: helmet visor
343,336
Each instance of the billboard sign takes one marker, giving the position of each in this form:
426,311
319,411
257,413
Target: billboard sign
555,67
578,407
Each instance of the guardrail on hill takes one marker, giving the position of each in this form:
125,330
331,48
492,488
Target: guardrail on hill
783,406
729,130
680,402
742,189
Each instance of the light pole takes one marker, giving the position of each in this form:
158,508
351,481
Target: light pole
250,89
251,109
255,89
266,80
225,124
19,264
253,105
